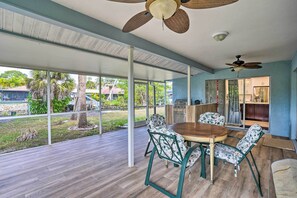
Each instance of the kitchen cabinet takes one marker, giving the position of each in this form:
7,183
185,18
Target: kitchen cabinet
256,111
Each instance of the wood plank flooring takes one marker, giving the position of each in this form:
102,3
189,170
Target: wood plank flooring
96,166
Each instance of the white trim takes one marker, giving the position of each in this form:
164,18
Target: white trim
20,117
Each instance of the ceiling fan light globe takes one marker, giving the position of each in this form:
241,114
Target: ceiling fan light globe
238,69
163,9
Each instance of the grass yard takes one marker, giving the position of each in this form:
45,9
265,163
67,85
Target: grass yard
10,129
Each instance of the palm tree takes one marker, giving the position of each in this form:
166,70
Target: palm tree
61,85
81,102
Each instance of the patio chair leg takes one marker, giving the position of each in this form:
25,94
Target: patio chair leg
255,164
181,179
203,172
257,182
147,148
188,144
149,168
216,161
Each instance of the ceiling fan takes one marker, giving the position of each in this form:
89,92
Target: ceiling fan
169,12
239,65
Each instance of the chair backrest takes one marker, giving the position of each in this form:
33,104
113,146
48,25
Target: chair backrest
156,120
212,118
250,139
169,144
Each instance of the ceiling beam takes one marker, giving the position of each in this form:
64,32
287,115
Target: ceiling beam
54,13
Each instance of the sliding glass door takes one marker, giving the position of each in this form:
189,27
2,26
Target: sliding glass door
235,102
247,102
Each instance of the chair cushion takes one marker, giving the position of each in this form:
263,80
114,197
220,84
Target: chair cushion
167,143
156,120
227,153
194,157
212,118
250,139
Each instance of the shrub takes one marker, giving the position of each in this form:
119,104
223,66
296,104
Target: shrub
60,105
38,106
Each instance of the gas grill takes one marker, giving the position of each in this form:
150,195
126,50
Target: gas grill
179,110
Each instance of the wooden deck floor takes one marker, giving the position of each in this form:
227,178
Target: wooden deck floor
96,166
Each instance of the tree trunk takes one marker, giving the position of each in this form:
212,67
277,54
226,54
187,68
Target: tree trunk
75,107
82,105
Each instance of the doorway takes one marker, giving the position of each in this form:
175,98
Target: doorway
247,101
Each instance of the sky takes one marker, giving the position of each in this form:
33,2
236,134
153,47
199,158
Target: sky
28,72
25,71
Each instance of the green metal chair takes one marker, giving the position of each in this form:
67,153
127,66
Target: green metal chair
170,146
235,155
155,120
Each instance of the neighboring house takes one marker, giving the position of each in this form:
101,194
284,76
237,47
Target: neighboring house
111,92
14,94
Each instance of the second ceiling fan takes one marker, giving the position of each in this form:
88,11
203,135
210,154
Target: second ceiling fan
239,65
169,11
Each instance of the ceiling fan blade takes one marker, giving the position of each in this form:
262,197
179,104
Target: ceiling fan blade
232,64
202,4
179,22
252,63
137,20
252,66
128,1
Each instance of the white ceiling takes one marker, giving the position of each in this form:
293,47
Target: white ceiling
13,22
28,53
263,30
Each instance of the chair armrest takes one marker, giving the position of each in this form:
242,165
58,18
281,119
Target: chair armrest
190,150
233,148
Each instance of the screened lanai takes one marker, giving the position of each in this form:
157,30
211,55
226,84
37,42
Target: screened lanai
46,44
61,61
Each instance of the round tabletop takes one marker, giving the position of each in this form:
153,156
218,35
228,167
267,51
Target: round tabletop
199,132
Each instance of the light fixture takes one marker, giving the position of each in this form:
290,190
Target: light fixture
220,36
163,9
238,69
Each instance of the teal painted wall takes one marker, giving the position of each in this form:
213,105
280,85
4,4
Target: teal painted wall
293,109
280,82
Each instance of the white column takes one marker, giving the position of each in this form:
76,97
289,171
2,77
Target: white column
189,85
147,101
100,109
243,118
49,124
130,109
165,98
165,94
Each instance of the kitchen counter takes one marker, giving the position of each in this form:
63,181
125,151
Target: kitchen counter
255,102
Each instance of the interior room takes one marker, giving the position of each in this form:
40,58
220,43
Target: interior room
148,98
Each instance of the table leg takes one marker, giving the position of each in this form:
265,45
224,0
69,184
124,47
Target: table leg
211,148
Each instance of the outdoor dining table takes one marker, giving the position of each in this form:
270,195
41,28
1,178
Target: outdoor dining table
202,133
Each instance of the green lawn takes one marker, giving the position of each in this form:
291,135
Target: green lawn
11,129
